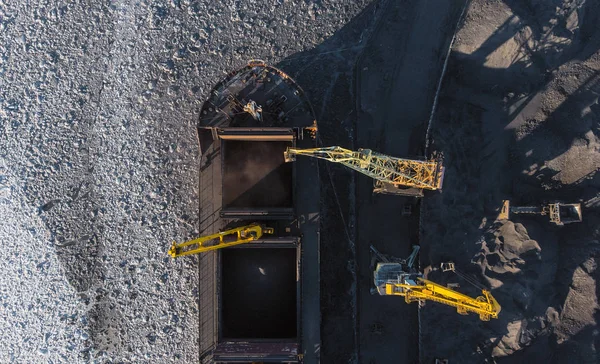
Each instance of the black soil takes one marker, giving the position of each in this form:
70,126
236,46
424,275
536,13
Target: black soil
255,175
259,293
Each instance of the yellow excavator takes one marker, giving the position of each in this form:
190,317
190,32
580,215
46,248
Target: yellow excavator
223,239
399,279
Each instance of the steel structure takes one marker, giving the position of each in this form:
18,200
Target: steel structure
224,239
558,213
396,171
258,108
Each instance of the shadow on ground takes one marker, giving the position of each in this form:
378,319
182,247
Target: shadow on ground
326,75
507,128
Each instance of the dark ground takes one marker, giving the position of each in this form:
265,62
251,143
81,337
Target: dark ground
518,119
397,78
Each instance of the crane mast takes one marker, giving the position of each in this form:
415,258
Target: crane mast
398,172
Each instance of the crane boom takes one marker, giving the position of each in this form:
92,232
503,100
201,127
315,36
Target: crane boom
223,239
392,280
392,170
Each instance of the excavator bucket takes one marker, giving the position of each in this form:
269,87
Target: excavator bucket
505,211
289,157
569,213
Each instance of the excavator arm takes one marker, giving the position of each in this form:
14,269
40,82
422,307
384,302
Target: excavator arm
485,306
392,279
224,239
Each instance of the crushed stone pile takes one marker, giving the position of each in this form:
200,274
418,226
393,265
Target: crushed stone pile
519,119
99,163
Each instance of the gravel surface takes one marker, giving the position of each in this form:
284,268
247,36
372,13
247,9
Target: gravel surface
99,160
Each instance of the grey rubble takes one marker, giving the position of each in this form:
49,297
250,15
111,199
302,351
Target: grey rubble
99,163
519,119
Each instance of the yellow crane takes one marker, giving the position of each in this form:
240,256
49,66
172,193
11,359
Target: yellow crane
391,279
223,239
398,172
